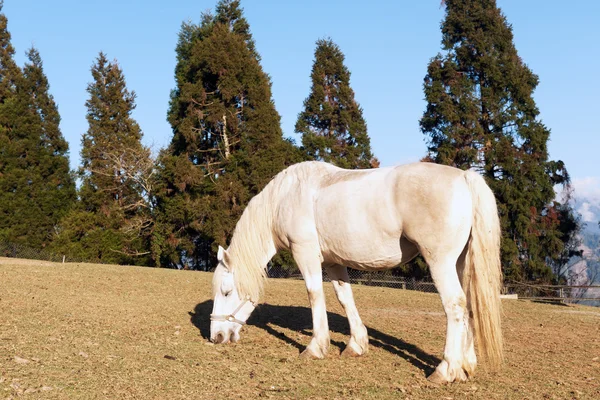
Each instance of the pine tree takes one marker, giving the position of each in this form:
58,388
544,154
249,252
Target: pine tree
227,142
36,188
10,71
55,187
481,114
332,126
10,149
113,220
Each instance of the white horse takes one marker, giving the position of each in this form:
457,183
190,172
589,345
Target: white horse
372,220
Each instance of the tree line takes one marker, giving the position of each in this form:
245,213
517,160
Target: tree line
172,209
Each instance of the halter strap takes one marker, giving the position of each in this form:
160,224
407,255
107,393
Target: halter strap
231,317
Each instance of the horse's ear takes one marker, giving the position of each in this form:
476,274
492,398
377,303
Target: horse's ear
223,257
220,254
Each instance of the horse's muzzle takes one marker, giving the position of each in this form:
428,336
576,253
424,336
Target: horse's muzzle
222,337
219,338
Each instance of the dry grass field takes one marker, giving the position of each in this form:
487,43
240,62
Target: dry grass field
83,331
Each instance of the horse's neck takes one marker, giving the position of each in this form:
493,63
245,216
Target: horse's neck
252,243
257,253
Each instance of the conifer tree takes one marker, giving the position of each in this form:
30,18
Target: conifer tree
113,220
227,142
11,150
481,114
332,126
55,187
36,188
10,71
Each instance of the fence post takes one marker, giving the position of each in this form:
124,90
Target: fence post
63,258
561,294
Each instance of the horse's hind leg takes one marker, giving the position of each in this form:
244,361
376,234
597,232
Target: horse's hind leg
445,277
309,263
359,340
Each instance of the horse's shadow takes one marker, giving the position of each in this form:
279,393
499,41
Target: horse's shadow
300,319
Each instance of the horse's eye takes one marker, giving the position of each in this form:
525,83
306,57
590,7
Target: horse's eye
226,287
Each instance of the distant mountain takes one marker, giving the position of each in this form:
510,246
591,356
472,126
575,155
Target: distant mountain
587,204
591,255
593,216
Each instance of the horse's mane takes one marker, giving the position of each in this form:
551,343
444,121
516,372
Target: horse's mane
253,244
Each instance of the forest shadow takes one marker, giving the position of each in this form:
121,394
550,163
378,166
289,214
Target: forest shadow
299,319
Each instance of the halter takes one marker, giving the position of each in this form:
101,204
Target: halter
231,317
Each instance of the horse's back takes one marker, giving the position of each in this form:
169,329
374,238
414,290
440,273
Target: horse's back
392,195
361,216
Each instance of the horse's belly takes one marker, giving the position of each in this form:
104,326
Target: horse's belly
365,254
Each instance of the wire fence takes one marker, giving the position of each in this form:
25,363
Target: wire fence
375,278
13,250
585,294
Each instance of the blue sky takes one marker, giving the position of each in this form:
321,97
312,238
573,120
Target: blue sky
387,46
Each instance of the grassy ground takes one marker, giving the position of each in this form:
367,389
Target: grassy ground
96,331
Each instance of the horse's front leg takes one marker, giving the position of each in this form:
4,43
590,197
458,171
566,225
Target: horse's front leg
359,340
309,263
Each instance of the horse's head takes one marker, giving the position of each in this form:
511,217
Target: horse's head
230,310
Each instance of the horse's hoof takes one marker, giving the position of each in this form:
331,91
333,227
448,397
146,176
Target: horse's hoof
308,355
437,378
469,368
350,352
461,376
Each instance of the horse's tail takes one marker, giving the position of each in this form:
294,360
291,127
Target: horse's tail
482,276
